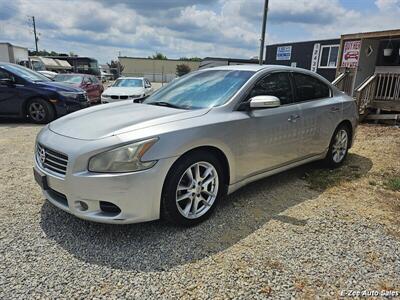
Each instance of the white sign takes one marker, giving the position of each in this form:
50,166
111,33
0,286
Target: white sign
351,54
284,53
315,57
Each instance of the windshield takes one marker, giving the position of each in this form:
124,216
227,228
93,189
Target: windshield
75,79
128,83
201,89
26,73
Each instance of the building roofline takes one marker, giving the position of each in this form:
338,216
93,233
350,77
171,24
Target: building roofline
147,58
229,59
13,45
291,43
371,34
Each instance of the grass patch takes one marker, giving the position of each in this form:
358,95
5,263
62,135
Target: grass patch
321,179
393,183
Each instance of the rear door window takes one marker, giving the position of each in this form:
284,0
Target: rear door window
309,88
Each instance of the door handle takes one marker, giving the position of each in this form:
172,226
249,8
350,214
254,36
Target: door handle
293,118
335,109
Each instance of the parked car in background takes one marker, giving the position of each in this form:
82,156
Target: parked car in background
24,92
124,88
204,135
48,74
93,87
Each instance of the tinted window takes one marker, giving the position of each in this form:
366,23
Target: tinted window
277,84
25,73
4,75
308,88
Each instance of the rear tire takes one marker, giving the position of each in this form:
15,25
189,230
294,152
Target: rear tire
40,111
192,189
339,146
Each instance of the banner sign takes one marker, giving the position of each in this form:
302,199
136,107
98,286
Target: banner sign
284,53
351,54
315,57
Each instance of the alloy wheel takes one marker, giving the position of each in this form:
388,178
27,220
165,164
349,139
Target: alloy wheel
37,112
339,147
197,190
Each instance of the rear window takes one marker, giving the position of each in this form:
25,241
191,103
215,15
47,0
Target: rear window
309,88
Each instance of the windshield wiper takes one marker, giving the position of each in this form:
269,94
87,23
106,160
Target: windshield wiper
166,104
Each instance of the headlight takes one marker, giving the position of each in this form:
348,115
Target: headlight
123,159
69,94
105,96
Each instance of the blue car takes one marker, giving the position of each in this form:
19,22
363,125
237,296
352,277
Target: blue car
26,93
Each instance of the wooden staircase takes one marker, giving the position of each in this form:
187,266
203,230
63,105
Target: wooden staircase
379,92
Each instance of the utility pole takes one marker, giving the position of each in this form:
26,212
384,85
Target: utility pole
264,23
34,32
119,64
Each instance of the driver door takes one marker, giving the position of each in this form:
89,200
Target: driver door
273,134
9,96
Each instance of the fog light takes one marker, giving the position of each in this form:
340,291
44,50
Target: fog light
82,206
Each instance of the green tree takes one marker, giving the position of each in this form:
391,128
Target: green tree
158,55
194,58
182,69
116,68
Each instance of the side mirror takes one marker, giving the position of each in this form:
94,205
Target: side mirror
264,102
6,81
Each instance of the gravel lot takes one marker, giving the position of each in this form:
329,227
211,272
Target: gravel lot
305,233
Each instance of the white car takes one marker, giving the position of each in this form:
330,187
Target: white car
127,88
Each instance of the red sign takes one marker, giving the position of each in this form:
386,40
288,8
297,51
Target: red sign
351,54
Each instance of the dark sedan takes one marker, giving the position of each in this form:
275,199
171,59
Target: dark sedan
26,93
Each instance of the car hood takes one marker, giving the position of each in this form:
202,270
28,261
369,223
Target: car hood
123,91
112,119
58,86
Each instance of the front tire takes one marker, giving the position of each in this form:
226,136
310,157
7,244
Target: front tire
192,189
339,146
40,111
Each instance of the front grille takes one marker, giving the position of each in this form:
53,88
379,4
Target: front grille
82,97
51,159
114,97
123,97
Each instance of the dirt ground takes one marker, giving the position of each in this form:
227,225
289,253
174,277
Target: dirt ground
306,233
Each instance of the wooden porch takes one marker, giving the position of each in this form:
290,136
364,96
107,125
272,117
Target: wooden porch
378,97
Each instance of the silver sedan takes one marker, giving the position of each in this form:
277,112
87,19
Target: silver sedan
200,137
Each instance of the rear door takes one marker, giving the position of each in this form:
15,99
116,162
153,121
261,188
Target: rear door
320,113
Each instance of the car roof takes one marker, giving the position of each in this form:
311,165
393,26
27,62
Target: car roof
75,74
252,67
256,68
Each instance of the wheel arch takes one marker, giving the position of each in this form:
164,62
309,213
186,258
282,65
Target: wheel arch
349,126
217,152
27,100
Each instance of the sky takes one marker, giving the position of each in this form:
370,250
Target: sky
185,28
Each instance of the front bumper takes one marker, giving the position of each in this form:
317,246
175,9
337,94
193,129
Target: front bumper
82,193
105,100
64,108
